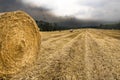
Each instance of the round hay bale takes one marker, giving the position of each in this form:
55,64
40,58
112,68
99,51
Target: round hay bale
19,42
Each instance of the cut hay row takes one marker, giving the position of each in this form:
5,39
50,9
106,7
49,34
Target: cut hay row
91,55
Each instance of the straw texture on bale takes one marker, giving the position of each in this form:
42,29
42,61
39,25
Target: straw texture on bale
19,42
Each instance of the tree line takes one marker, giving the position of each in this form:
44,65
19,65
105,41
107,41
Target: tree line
46,26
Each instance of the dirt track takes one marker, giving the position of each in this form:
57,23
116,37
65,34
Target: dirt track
86,54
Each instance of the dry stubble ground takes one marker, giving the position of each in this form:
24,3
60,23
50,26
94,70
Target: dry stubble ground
86,54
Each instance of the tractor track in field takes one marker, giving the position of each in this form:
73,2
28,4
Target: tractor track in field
87,54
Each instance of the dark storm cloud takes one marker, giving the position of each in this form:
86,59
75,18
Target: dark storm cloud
8,5
40,13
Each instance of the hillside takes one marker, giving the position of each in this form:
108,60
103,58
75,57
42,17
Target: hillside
86,54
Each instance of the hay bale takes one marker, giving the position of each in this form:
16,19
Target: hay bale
71,30
19,42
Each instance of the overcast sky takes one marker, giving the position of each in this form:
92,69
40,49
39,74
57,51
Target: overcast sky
107,10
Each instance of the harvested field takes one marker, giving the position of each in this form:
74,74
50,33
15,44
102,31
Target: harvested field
86,54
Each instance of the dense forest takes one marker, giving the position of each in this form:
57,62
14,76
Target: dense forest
46,26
